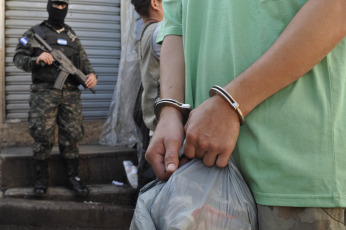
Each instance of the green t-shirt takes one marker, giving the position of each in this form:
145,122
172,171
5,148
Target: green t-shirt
292,147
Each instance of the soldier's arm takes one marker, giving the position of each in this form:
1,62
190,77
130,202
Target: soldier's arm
85,65
24,56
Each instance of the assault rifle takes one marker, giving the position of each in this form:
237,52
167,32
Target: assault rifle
65,66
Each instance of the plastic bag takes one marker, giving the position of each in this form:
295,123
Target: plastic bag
131,173
120,127
197,197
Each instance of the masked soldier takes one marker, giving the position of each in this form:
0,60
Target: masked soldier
49,106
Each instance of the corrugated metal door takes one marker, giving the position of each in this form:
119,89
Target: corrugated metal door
97,23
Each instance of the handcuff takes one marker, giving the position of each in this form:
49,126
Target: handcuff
225,95
184,109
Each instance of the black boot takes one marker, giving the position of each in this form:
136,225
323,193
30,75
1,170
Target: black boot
42,177
74,182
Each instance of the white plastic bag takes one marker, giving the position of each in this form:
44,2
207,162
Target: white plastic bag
197,197
131,173
120,128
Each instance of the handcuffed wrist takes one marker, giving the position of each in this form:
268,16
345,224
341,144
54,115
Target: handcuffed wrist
184,109
225,95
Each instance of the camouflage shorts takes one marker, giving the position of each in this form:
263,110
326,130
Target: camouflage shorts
291,218
48,108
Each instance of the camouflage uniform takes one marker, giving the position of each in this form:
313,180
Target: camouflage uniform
49,106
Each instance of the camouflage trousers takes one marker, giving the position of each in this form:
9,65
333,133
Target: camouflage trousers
291,218
49,108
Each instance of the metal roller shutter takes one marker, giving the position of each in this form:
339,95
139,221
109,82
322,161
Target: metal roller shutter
97,23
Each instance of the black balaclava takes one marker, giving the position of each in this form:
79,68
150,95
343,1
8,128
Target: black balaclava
56,16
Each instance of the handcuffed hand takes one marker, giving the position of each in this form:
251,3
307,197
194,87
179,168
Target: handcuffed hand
212,132
163,149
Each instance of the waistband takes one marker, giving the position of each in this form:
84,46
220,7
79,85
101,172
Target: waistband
50,85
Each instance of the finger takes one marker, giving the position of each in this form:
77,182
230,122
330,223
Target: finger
190,143
91,77
209,158
92,85
156,160
158,166
200,152
172,156
89,83
49,59
183,160
203,145
222,159
189,149
46,61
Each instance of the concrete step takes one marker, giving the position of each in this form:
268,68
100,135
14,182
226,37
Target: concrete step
100,193
108,206
27,214
98,165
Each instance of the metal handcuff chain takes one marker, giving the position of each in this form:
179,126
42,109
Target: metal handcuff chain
184,109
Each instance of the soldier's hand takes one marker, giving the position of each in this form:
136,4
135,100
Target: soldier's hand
46,58
91,81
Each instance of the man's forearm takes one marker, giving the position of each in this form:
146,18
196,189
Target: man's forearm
316,29
172,69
